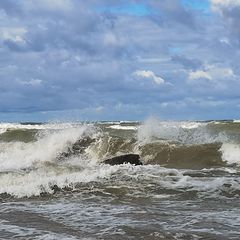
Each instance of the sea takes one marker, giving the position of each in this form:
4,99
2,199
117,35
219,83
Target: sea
54,183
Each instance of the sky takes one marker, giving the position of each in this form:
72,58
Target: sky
94,60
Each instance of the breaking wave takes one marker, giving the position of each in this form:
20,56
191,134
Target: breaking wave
46,158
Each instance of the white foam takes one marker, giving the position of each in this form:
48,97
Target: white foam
113,123
231,153
191,125
18,155
185,132
44,177
3,130
41,180
207,186
16,126
119,127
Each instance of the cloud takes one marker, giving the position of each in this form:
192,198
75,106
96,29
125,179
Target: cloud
11,7
199,74
32,82
53,5
225,3
149,75
229,10
99,109
102,56
188,63
166,12
212,73
15,34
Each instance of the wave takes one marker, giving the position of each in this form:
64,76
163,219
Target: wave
119,127
7,127
47,177
182,132
49,144
181,144
170,144
64,156
143,181
231,153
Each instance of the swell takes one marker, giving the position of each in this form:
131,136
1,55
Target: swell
22,135
61,159
168,145
163,153
183,156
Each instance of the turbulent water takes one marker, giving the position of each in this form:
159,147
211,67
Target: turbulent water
54,184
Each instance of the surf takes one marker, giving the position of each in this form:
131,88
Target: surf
48,158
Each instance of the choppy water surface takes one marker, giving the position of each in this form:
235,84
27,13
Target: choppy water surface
53,184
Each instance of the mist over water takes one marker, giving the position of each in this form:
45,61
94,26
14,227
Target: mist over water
54,184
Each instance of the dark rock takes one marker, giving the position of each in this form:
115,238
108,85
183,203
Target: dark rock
77,148
128,158
55,188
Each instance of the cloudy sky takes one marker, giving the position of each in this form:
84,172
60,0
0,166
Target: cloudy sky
119,59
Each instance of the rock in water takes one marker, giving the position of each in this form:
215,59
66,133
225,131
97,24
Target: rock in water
128,158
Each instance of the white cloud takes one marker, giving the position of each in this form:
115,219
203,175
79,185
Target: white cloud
225,41
219,5
199,74
222,73
99,109
149,75
15,34
110,38
32,82
212,73
53,5
225,2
